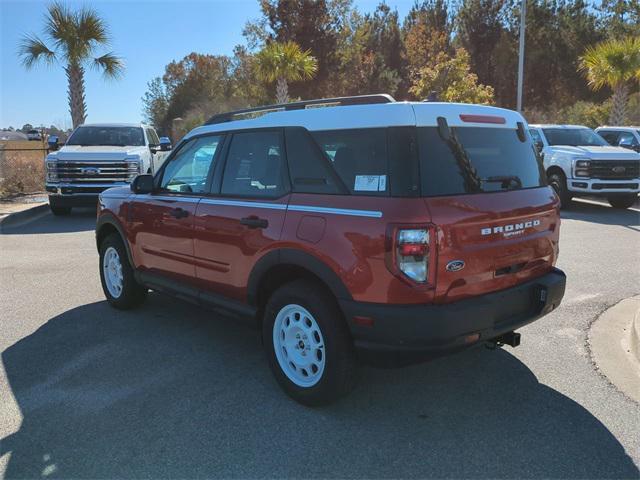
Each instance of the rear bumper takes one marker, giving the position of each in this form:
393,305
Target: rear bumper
404,334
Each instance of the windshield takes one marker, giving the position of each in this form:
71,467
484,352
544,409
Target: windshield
476,160
575,137
108,136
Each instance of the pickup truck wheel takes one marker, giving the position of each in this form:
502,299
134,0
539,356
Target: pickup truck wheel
308,345
58,211
116,274
622,201
559,184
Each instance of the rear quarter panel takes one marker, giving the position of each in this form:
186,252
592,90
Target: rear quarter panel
354,246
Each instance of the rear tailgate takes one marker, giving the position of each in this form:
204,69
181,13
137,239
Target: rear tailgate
503,238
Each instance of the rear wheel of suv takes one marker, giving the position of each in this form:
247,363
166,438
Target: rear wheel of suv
309,348
116,274
559,184
622,201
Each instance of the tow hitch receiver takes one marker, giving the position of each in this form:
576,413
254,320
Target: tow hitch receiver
510,338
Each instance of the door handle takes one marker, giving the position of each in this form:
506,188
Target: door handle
179,213
254,222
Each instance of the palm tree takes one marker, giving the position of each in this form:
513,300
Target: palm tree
283,63
614,64
74,38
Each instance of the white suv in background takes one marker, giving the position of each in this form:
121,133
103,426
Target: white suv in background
625,137
579,162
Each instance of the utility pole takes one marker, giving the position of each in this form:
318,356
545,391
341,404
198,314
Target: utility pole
523,14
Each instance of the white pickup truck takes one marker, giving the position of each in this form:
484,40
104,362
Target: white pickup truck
579,162
97,157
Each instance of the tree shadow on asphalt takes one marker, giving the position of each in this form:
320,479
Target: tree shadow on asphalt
80,220
166,391
603,214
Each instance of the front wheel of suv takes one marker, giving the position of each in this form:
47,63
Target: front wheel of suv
622,201
308,345
559,184
116,274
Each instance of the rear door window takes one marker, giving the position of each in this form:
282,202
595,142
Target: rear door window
476,160
255,165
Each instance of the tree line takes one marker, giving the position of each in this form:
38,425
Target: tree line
466,51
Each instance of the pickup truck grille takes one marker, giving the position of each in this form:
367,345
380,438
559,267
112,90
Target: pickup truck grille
614,169
94,172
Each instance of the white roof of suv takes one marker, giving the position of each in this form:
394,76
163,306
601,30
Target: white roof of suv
375,115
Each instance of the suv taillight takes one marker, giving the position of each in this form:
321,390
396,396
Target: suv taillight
412,253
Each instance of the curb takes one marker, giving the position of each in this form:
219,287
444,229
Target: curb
634,336
613,342
18,218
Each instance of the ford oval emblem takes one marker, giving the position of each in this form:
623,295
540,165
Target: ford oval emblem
455,265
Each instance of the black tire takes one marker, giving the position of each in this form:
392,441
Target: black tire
132,294
622,201
340,368
57,209
559,183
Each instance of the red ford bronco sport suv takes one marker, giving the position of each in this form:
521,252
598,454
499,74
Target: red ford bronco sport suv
365,230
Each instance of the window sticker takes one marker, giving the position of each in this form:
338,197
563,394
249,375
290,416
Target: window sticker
370,183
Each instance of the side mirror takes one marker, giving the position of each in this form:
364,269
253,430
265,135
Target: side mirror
165,144
539,146
52,143
142,184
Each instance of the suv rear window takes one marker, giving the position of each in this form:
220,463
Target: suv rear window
476,160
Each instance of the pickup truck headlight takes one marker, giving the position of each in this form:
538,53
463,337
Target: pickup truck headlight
581,167
52,171
134,167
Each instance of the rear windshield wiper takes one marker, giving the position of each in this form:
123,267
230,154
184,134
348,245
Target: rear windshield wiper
505,180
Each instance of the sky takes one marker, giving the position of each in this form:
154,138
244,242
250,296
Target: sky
147,34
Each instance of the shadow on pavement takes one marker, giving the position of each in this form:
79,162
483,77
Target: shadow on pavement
166,392
80,220
601,213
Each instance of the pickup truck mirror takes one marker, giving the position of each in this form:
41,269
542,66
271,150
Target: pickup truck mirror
165,144
142,184
52,143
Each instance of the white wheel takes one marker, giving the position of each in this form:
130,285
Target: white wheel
299,345
112,269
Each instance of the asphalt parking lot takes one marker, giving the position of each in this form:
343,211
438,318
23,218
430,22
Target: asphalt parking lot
170,390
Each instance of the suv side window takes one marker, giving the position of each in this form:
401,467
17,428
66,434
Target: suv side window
188,170
311,171
359,156
255,165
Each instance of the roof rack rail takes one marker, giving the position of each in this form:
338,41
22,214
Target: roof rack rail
354,100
